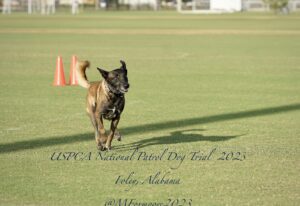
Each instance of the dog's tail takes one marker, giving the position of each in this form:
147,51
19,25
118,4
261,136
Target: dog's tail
81,66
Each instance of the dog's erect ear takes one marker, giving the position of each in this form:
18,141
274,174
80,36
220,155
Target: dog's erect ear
123,65
103,73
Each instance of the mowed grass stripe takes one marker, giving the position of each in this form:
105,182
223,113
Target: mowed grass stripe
161,15
152,31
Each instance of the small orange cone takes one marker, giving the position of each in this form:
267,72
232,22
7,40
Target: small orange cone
59,78
73,78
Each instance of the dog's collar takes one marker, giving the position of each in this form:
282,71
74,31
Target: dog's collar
111,90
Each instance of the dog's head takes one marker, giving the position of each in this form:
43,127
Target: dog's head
116,79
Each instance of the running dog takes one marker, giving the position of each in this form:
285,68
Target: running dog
105,99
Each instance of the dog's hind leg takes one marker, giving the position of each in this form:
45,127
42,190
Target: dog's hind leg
113,127
117,135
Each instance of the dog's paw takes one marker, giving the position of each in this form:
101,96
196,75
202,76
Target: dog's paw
100,147
108,148
118,136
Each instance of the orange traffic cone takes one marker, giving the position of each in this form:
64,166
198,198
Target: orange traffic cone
59,78
73,78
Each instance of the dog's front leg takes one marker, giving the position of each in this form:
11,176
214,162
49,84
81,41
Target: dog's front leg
113,127
102,138
95,125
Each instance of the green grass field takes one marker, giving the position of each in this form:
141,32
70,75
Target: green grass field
229,82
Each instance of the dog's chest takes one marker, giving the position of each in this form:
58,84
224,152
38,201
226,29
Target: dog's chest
113,109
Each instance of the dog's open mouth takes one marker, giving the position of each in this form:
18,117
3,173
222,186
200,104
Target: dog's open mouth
123,90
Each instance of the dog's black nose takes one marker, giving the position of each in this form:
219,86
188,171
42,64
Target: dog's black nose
126,86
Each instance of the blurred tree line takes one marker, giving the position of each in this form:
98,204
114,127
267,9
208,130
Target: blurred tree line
277,5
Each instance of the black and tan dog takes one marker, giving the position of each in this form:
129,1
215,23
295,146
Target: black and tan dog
105,99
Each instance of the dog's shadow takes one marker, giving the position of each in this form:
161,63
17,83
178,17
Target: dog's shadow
176,137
